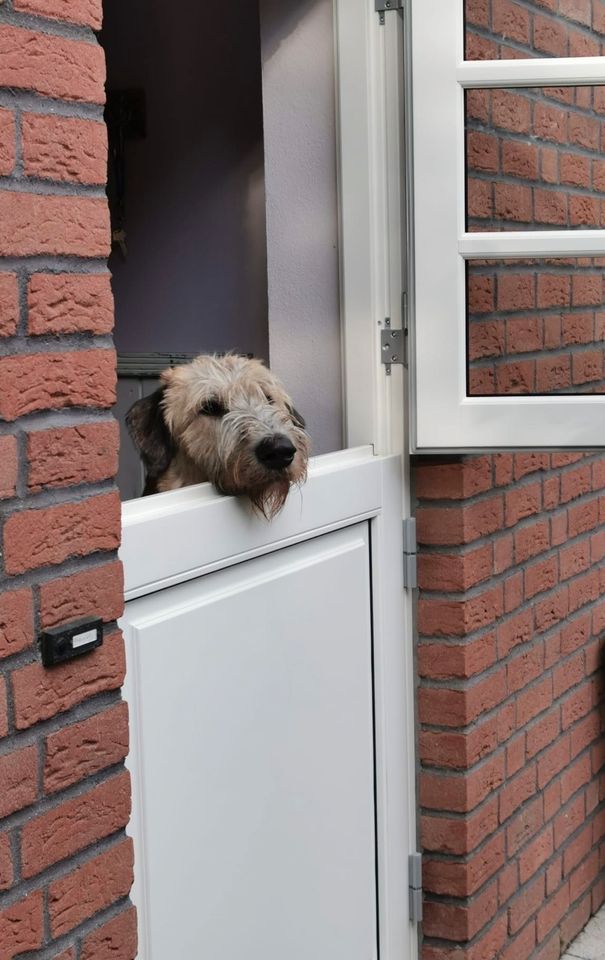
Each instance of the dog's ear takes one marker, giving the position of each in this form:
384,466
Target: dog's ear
297,417
149,433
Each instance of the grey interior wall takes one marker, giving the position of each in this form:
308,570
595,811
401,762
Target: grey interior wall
195,274
297,48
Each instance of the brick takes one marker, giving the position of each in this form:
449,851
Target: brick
577,705
524,334
553,761
459,921
51,381
115,940
521,947
16,621
582,878
510,111
9,304
19,779
482,152
554,290
587,290
526,905
574,559
550,207
516,791
33,224
568,821
584,131
481,293
75,824
520,159
453,573
553,373
477,12
568,674
552,912
550,36
479,198
455,480
532,702
81,749
98,591
584,211
550,122
575,921
51,65
21,926
524,825
541,576
7,142
70,303
86,12
64,148
67,456
513,202
443,834
522,502
575,777
579,848
40,694
535,854
91,888
511,21
6,862
486,339
587,367
446,661
531,540
3,708
524,666
464,879
35,538
575,170
9,467
516,292
577,328
515,630
462,794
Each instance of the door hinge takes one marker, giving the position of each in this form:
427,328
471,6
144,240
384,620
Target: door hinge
392,346
410,554
415,871
383,6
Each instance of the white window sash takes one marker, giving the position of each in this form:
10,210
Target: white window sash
443,416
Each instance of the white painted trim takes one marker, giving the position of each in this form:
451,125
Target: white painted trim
443,416
546,72
370,135
549,243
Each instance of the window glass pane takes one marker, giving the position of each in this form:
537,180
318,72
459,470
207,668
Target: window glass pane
507,29
534,158
536,326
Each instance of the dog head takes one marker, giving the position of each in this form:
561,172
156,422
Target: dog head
233,421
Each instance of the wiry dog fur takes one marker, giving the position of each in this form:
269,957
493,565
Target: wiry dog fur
224,419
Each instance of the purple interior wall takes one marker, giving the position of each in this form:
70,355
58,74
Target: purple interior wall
195,274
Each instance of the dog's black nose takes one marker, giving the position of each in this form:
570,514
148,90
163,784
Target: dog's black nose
275,452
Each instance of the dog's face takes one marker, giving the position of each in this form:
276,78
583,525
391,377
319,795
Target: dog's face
234,421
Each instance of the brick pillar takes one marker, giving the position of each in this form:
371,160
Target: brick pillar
511,618
65,863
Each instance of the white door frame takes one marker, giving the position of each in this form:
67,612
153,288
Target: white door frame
370,179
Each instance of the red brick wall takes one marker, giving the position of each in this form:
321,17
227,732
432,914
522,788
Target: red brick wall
535,161
65,863
511,619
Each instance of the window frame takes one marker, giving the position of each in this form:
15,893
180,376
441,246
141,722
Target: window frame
444,417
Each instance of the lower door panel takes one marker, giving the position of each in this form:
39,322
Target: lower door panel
253,761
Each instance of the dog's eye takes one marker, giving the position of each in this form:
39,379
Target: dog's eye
213,408
268,397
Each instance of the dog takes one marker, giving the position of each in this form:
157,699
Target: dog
226,419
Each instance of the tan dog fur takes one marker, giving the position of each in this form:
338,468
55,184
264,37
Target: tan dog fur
206,423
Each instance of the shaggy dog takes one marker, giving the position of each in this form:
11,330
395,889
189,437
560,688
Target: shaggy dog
224,419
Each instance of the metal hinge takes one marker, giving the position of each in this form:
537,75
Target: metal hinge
392,346
410,554
415,870
383,6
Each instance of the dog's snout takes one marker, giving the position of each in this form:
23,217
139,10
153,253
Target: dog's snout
276,452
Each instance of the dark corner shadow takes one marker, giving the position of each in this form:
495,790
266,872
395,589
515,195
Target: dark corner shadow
279,18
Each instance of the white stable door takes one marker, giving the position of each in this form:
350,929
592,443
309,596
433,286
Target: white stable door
256,748
267,678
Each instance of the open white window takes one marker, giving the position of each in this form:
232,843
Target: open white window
507,136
